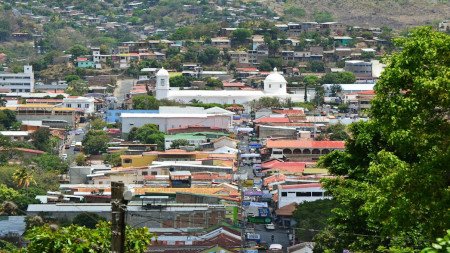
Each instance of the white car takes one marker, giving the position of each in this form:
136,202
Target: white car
270,226
73,144
64,156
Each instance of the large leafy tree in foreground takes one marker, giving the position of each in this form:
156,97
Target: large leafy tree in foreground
393,177
50,238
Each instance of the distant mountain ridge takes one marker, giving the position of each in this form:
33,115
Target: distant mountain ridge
394,13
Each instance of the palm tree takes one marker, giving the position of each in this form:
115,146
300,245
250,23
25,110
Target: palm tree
23,178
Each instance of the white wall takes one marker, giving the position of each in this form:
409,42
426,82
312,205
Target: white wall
220,121
292,195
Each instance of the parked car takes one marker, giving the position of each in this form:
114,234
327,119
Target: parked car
270,226
73,144
64,157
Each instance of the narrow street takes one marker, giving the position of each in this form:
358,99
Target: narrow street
123,88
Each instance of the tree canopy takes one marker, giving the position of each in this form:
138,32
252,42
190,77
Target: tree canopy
392,178
95,142
148,134
51,238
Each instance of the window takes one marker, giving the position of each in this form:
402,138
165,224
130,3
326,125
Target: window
79,105
127,160
270,86
281,86
303,194
162,82
69,105
154,173
86,106
284,194
317,194
144,173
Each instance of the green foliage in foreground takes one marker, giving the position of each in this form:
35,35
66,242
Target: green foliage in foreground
50,238
392,178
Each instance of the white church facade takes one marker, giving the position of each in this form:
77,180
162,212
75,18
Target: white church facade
275,85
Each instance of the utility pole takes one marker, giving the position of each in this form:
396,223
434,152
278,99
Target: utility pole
118,205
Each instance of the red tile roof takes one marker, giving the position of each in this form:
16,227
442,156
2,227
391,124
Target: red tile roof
366,92
304,144
233,84
247,69
272,120
287,210
31,151
289,112
290,167
274,178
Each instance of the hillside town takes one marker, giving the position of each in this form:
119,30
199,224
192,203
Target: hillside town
218,126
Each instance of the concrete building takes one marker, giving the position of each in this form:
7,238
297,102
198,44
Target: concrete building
18,82
299,193
301,150
86,104
170,117
359,68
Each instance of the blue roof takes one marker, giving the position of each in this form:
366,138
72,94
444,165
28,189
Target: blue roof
12,224
113,116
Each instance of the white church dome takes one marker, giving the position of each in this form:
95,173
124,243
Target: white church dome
275,77
162,72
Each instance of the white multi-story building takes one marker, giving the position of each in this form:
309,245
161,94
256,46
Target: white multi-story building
274,86
172,117
298,193
85,104
18,82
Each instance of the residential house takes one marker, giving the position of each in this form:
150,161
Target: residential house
221,42
85,63
85,104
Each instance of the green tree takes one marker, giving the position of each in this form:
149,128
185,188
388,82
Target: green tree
148,134
442,245
309,81
50,238
98,124
178,143
209,55
213,83
338,78
240,35
180,81
316,66
7,193
7,119
88,220
41,139
145,102
336,132
50,162
113,159
80,159
311,217
77,87
95,142
392,177
79,50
